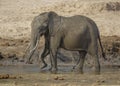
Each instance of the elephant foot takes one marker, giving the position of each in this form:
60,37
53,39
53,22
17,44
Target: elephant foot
78,71
53,71
97,72
50,69
74,67
28,62
45,65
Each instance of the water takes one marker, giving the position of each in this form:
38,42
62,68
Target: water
33,68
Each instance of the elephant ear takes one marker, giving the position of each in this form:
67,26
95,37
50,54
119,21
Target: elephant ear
54,23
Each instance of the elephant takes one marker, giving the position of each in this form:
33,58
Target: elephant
76,33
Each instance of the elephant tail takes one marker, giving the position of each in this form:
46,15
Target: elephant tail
103,53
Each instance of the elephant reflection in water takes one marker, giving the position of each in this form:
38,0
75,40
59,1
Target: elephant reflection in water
76,33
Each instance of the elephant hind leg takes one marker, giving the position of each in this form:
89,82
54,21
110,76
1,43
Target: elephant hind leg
80,62
94,54
96,64
93,51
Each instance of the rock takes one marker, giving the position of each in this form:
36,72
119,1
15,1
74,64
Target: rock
56,78
7,76
59,78
4,76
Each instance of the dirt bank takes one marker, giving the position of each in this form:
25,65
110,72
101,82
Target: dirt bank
16,15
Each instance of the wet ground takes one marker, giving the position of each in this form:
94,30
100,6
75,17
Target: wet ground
31,75
14,71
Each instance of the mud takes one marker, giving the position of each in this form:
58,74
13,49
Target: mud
8,76
14,71
109,76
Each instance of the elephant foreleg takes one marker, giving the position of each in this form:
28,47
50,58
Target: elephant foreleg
76,63
43,55
54,45
53,58
46,51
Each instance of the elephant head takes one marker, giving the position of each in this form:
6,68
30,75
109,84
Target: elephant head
40,25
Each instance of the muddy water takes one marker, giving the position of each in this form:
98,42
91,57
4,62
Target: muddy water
16,69
34,68
31,75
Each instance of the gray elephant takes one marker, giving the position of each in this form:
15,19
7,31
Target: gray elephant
76,33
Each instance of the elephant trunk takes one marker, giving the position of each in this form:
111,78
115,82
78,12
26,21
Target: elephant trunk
32,47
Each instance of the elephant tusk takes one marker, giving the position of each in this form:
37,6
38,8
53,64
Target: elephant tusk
26,50
27,47
34,47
